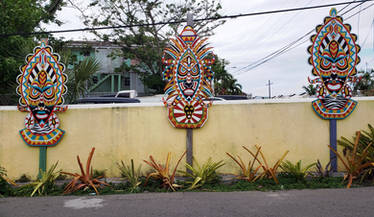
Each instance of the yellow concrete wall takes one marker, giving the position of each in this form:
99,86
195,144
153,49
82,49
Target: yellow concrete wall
135,131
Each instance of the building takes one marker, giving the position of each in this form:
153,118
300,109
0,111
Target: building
110,79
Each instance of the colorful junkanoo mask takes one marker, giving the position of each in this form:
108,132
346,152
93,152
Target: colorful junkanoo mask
188,74
41,87
334,56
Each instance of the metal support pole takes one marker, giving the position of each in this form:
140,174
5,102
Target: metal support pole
189,147
333,142
42,160
112,83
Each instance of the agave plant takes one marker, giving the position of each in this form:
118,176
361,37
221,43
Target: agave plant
355,163
46,181
162,171
324,172
296,170
270,172
366,138
247,173
85,179
202,174
132,175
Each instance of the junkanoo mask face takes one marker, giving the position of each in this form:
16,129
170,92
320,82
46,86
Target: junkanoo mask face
334,56
41,87
188,75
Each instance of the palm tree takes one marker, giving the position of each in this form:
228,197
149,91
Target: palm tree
311,90
224,83
79,76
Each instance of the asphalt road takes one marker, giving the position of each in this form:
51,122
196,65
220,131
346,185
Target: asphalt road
299,203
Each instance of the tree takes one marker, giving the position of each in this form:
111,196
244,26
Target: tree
311,90
224,83
365,85
145,43
79,76
20,17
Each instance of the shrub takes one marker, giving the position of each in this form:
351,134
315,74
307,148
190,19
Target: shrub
162,171
132,175
296,170
202,174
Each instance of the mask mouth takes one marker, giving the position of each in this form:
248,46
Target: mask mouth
188,92
334,86
41,113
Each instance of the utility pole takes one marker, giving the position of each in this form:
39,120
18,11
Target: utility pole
269,84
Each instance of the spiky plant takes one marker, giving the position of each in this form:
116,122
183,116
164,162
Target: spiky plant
355,163
132,175
248,173
296,170
85,179
161,171
45,183
200,175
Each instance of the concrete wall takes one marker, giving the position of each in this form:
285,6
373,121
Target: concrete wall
134,131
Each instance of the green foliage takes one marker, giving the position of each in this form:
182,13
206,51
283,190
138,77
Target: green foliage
323,172
202,174
161,171
247,172
146,43
44,184
23,178
366,84
296,170
5,188
311,89
224,83
20,17
79,75
355,163
132,175
98,174
366,140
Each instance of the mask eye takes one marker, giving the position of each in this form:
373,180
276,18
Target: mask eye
325,64
195,70
182,71
34,93
342,64
49,93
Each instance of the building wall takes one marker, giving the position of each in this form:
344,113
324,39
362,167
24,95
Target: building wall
135,131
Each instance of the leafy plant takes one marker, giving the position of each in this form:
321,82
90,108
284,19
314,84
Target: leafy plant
270,172
202,174
132,175
98,174
162,171
355,162
366,138
296,170
247,173
323,172
23,178
46,182
85,178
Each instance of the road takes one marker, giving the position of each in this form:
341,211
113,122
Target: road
299,203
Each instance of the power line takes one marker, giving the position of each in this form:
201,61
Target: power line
293,44
183,20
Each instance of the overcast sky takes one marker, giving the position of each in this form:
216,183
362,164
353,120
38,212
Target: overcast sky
245,40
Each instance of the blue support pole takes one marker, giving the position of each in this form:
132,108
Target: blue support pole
333,145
